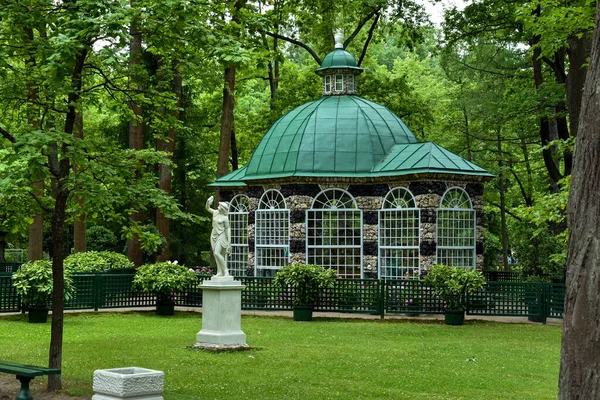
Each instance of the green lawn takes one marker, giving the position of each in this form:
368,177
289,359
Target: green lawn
323,359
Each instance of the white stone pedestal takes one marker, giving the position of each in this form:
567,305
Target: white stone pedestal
221,314
130,383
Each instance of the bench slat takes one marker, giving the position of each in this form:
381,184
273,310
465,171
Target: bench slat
26,370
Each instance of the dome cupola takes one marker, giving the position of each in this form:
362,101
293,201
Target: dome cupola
339,70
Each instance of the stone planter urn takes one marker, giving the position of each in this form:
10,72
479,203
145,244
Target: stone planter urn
130,383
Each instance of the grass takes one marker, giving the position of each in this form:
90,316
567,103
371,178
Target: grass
323,359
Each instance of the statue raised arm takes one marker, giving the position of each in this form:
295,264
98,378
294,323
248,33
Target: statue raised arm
220,237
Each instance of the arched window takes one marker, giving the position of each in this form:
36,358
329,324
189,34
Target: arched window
399,235
456,230
272,229
334,233
238,221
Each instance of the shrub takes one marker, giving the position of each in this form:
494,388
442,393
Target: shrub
100,238
33,282
452,284
307,280
96,261
163,279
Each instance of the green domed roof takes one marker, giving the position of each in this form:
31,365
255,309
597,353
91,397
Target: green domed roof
339,58
334,135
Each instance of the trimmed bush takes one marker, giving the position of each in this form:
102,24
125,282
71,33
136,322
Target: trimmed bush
96,261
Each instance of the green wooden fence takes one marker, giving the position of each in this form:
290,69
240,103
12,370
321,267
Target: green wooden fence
536,301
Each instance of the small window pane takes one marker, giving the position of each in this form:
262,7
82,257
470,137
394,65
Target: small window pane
339,82
350,83
328,84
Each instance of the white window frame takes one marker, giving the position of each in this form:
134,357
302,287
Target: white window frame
455,239
399,239
239,209
272,233
327,84
350,84
339,78
340,206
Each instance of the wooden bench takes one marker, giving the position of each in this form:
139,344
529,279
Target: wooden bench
25,373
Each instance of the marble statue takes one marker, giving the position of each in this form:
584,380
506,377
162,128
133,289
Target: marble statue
220,237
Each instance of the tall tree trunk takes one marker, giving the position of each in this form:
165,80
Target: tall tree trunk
226,121
528,194
467,134
502,189
554,174
60,167
579,51
3,247
79,233
165,171
136,128
234,151
35,247
580,356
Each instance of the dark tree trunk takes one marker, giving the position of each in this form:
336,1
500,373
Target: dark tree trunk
79,234
35,247
60,167
502,189
3,248
234,151
467,134
580,357
136,128
579,51
226,121
164,171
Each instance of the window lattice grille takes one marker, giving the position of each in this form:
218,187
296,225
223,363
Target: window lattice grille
272,231
239,208
334,233
399,235
456,226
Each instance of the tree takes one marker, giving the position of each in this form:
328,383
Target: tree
580,356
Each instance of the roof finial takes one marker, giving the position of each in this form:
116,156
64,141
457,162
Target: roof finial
339,39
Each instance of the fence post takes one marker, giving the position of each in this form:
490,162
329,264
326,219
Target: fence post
545,306
382,295
97,287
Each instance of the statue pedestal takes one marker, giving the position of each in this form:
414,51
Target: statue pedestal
221,315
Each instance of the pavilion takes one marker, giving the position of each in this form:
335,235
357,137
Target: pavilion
343,183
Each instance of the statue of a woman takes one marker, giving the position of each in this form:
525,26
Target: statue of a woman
220,237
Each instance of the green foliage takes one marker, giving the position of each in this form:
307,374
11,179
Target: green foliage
100,238
307,280
452,284
33,282
96,261
163,279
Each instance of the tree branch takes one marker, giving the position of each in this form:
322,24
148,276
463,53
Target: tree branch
297,43
7,135
360,26
508,212
369,37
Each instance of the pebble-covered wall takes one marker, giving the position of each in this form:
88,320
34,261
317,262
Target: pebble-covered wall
369,198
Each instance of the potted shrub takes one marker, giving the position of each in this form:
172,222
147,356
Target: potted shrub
307,281
163,279
33,282
452,284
